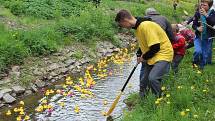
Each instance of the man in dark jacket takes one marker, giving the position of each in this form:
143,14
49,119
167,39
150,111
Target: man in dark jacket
203,23
164,24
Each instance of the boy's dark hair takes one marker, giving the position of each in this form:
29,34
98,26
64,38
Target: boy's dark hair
210,2
122,14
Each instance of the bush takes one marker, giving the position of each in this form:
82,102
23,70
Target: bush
12,50
46,9
40,41
89,25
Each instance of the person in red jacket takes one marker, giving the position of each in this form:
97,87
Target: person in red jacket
179,47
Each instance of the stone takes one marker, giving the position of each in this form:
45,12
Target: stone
53,67
6,91
28,92
5,80
8,98
13,94
1,105
18,89
69,62
34,88
1,95
15,69
40,83
116,50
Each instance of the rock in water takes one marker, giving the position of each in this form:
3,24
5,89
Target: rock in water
8,98
18,89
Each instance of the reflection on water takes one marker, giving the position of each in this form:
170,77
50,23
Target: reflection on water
91,108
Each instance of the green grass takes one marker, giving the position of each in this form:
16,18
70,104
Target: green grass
195,99
51,28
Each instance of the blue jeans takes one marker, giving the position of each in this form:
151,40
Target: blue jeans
210,49
142,70
202,52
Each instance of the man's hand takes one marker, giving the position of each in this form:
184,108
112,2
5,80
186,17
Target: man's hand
200,29
139,60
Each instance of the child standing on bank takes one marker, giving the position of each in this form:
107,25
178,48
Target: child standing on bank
179,48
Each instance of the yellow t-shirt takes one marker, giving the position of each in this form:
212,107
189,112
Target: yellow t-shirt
149,33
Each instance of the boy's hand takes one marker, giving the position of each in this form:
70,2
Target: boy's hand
139,60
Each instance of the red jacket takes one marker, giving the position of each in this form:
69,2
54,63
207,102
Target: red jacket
188,34
179,45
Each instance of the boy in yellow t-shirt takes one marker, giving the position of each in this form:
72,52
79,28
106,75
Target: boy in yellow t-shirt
156,47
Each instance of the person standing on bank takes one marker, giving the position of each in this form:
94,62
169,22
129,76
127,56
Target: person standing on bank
203,20
155,16
156,47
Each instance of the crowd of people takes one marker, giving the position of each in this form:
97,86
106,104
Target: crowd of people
163,45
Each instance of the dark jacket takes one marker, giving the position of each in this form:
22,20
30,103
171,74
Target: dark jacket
210,21
164,23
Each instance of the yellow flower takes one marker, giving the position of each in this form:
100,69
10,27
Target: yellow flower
168,95
58,91
192,87
195,66
168,102
195,116
199,72
179,87
157,102
21,103
204,90
207,81
163,88
39,109
8,113
188,110
182,113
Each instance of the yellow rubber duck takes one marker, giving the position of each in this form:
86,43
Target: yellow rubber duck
8,113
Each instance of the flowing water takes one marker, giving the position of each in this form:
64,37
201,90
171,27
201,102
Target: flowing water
91,108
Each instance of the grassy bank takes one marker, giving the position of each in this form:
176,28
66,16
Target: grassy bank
51,26
189,97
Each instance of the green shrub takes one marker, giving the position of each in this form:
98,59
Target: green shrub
12,51
40,41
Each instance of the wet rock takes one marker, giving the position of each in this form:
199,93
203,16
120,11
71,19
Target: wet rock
18,89
40,83
1,105
13,94
1,95
8,98
34,88
28,92
6,91
69,62
116,50
53,67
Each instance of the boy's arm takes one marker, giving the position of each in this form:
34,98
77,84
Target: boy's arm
179,44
